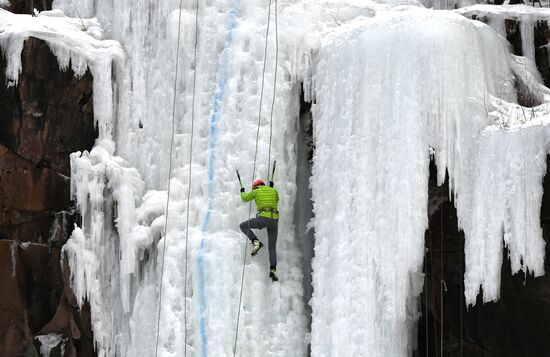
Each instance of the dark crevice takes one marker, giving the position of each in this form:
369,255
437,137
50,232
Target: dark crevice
303,207
26,6
514,326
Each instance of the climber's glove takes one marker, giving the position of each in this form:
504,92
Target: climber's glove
242,189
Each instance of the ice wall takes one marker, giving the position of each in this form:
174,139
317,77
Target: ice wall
387,90
120,187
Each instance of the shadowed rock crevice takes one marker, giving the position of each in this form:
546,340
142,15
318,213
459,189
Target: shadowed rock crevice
515,326
26,6
303,206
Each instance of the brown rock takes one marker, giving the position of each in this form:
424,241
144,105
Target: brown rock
30,196
513,35
25,6
42,120
15,332
542,38
48,116
35,302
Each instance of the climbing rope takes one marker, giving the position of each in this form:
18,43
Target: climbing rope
426,303
170,174
433,290
78,14
442,284
460,299
256,151
274,89
190,169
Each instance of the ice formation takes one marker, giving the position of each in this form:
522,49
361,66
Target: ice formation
526,15
49,342
414,80
13,249
390,83
230,53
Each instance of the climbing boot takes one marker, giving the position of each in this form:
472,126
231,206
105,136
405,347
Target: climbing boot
256,245
273,274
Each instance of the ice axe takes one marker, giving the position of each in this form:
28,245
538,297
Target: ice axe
273,173
239,177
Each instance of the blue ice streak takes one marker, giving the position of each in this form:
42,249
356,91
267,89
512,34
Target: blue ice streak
213,136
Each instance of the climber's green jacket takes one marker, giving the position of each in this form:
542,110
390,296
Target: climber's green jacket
266,199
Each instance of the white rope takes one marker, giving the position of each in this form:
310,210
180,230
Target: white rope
256,155
170,174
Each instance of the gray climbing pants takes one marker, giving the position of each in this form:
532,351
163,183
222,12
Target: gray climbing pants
272,229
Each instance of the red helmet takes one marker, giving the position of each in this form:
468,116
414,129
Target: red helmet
257,183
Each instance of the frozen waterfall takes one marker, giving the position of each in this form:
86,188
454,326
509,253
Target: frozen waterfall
391,84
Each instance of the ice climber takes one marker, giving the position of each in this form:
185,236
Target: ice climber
266,199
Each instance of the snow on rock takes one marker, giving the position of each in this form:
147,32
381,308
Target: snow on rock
73,46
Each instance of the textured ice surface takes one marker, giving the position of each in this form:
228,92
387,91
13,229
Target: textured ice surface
390,82
387,89
230,53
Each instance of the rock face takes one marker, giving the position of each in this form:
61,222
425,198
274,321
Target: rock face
515,326
43,119
26,6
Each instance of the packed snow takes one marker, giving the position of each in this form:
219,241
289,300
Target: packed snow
391,84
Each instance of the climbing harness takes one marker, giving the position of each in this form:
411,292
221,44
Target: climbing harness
256,150
170,174
268,209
